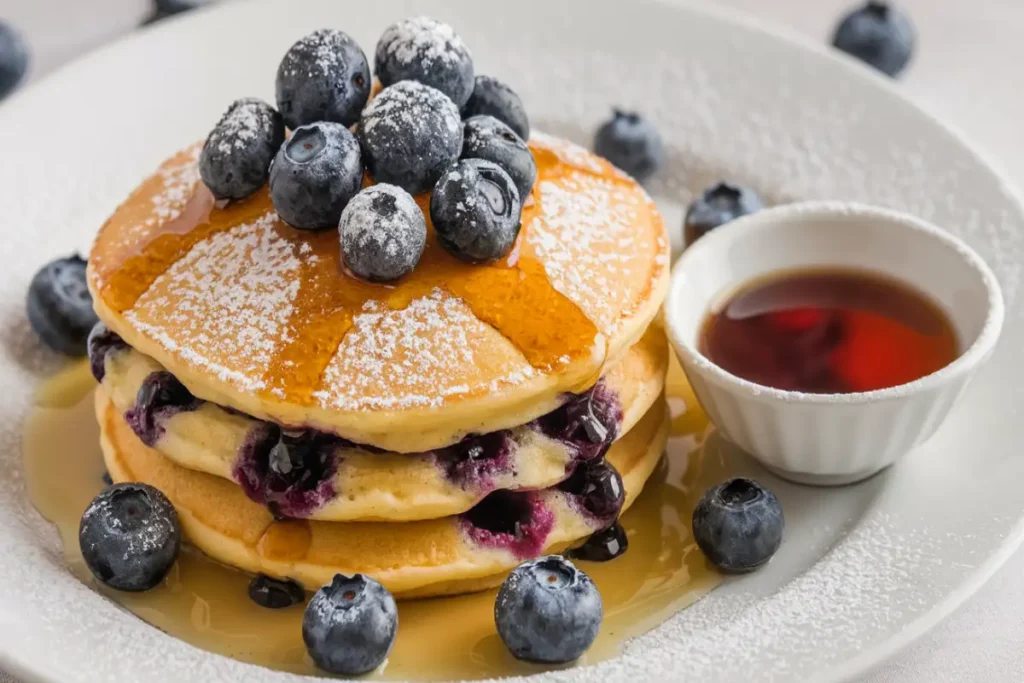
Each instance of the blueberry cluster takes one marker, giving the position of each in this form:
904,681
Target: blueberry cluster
410,138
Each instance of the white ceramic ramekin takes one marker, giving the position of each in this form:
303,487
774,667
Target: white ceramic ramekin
831,438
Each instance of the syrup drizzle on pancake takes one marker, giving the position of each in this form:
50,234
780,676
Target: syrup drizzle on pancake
554,297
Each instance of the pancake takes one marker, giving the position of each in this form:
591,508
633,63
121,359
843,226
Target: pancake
256,316
442,556
370,485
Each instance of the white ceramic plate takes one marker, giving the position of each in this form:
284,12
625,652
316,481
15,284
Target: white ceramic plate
863,571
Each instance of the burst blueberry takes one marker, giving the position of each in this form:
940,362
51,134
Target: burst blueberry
878,34
235,161
13,59
130,536
59,306
382,233
738,525
548,611
315,174
485,137
349,626
632,143
323,77
100,343
598,486
410,133
273,593
716,206
491,97
602,546
475,210
160,395
425,50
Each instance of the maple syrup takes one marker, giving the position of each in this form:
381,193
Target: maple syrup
829,331
207,604
513,295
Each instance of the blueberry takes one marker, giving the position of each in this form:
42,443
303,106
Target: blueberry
879,34
275,593
130,536
716,206
604,545
59,305
315,174
410,133
425,50
235,161
598,487
491,97
485,137
102,341
107,479
160,395
323,77
382,232
548,611
738,524
631,143
349,626
13,59
475,210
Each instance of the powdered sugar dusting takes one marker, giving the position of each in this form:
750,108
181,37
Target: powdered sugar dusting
240,125
422,39
177,180
418,356
225,306
594,238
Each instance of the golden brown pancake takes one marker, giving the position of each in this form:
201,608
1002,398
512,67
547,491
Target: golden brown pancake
412,559
254,315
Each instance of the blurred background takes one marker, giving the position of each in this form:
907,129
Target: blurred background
965,68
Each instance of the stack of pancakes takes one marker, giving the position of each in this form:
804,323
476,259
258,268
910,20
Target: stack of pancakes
432,433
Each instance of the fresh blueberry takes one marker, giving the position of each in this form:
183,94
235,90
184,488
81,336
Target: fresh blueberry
176,6
598,486
738,524
101,341
485,137
275,593
59,305
410,133
491,97
631,143
130,536
107,479
475,210
879,34
13,59
548,611
382,233
349,626
235,161
315,174
425,50
604,545
716,206
323,77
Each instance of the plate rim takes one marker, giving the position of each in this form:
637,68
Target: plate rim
38,669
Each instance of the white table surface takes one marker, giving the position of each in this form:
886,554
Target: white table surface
967,71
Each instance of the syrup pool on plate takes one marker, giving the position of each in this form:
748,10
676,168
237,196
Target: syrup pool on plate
206,604
829,331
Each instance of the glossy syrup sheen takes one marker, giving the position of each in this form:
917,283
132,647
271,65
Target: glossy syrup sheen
206,604
513,295
829,331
